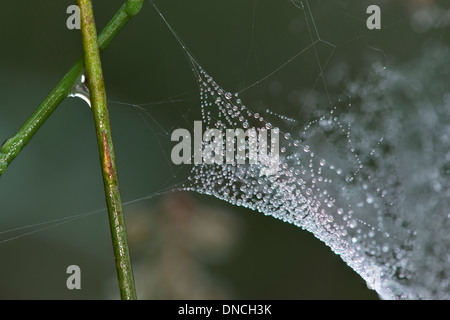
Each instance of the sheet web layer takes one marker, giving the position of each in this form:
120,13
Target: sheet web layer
362,119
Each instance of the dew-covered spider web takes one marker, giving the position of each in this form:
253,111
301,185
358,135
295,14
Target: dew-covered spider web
341,174
363,118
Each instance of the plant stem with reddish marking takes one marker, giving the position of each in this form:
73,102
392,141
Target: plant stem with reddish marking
96,86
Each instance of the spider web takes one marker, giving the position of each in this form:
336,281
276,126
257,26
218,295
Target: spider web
364,149
328,185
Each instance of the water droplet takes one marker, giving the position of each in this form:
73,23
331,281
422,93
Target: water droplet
80,90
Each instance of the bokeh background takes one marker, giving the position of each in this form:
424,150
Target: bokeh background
183,245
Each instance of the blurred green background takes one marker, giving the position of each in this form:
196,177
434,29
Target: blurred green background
179,249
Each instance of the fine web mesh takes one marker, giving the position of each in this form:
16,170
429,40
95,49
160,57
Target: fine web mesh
364,158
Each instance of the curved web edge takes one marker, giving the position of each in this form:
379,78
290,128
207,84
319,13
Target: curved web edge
342,188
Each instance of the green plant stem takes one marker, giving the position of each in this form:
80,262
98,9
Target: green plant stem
14,145
97,91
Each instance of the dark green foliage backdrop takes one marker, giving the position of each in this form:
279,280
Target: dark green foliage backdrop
58,174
